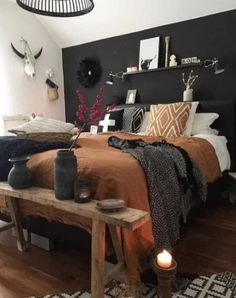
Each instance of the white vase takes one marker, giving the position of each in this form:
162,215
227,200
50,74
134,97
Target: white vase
188,95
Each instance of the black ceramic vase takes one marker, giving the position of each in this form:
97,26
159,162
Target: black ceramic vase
65,173
20,175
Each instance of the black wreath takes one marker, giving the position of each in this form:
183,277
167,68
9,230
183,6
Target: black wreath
89,72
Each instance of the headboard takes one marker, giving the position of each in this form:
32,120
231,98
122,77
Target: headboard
226,123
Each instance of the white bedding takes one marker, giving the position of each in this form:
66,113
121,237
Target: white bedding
220,145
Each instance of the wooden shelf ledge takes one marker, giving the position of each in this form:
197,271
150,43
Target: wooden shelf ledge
182,66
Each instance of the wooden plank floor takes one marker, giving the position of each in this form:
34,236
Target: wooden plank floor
209,243
209,246
37,272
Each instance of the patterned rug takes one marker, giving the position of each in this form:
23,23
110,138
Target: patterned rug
222,285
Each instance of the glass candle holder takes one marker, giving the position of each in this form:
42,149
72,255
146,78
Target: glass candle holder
82,190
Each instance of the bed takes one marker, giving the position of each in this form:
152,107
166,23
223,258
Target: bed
117,174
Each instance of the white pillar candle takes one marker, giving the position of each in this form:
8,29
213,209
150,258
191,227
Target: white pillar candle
164,259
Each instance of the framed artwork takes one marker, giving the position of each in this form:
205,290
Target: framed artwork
149,53
131,95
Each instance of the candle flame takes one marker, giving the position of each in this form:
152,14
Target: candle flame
165,252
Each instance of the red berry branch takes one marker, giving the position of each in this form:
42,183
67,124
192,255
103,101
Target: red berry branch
95,114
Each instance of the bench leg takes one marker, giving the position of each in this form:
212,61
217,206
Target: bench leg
98,259
119,272
12,204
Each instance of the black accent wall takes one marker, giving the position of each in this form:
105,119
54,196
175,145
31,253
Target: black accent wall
206,37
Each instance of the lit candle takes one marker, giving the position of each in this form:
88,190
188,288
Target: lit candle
164,259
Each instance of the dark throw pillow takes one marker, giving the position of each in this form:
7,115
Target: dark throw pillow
112,121
132,119
137,119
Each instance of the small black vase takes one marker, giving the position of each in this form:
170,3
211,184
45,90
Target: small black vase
65,173
20,175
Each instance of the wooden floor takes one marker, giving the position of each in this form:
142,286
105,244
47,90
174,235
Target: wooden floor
209,246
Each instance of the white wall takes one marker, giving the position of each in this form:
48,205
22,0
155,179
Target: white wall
18,92
116,17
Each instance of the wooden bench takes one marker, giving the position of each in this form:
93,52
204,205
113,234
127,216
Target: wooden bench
126,218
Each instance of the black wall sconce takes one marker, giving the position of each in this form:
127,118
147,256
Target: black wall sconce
119,75
215,64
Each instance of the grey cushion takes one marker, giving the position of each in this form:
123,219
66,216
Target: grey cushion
132,119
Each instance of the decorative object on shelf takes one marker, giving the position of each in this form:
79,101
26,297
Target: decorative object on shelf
173,61
89,72
149,53
195,60
29,58
93,115
164,276
119,75
110,205
55,8
65,173
131,95
82,190
190,60
20,175
134,68
167,43
215,64
188,93
180,66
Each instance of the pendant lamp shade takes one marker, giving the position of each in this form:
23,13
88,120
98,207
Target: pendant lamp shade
57,8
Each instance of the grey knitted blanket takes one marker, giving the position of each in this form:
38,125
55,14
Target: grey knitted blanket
174,181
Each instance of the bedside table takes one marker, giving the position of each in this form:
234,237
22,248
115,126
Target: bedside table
232,187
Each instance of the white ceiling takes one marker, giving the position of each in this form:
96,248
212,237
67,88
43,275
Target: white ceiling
116,17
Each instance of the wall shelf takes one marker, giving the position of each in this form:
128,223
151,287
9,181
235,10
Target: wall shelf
182,66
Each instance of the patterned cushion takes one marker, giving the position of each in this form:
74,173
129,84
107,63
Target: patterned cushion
132,119
168,119
127,118
112,121
137,119
41,124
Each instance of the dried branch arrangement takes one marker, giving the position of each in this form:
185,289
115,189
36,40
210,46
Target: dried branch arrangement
188,82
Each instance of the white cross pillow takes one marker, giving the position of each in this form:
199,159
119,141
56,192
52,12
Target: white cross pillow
112,121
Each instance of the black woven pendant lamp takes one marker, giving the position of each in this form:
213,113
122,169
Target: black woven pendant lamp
57,8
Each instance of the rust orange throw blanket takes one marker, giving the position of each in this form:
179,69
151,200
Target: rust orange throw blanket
115,174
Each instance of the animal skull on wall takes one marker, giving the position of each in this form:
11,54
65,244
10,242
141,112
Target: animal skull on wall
29,58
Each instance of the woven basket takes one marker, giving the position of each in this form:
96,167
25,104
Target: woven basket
63,137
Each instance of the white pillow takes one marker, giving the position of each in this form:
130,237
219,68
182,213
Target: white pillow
202,122
40,124
189,124
144,122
